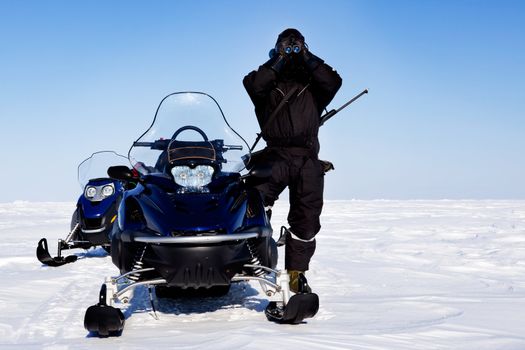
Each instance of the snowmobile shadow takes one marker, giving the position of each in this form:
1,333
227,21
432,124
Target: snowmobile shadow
98,252
241,295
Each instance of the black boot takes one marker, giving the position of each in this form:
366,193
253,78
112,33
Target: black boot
298,282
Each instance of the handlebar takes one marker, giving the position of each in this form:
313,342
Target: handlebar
142,144
232,147
162,144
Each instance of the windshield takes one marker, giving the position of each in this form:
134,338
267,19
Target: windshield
187,117
96,166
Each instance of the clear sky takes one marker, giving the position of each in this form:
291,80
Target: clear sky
445,117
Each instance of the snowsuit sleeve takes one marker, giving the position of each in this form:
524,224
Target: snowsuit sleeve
325,84
259,83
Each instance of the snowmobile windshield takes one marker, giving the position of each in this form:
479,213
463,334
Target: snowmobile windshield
96,166
192,120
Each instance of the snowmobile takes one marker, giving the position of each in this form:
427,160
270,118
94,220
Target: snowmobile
193,222
95,212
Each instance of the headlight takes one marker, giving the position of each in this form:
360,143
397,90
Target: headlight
108,190
90,192
193,179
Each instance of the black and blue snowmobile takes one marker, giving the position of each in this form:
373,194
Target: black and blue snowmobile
95,212
193,222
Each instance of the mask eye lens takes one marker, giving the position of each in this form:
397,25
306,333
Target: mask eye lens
296,49
288,50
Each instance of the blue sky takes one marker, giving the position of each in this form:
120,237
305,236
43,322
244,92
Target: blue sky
445,117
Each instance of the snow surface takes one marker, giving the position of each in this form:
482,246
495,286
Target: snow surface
390,275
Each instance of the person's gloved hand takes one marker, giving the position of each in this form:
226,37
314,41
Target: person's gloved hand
309,60
285,53
277,62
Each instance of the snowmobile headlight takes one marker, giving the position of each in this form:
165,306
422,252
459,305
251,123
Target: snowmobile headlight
108,190
90,192
193,179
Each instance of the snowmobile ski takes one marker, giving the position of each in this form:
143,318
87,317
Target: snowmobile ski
299,307
42,253
103,319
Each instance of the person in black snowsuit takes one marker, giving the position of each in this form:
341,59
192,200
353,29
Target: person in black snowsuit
308,85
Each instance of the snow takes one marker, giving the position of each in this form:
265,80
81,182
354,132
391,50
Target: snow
390,275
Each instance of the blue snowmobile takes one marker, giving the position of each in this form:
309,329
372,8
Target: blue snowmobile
95,212
193,222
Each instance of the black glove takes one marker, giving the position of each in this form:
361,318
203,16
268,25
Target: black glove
309,60
297,50
284,53
277,62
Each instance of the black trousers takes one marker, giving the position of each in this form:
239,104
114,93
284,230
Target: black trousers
304,177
